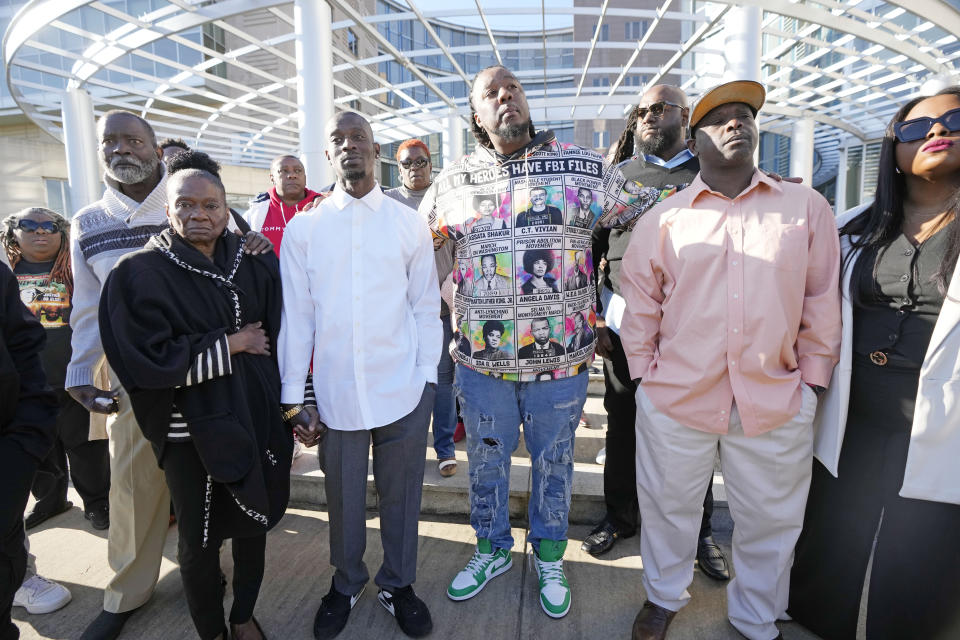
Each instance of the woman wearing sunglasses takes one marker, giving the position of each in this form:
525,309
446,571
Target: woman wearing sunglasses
888,429
37,245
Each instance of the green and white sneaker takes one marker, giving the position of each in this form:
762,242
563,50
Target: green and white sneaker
485,565
554,588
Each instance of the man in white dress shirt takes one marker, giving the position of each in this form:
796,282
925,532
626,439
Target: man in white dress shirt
370,384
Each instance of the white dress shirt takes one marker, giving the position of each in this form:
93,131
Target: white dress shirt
361,294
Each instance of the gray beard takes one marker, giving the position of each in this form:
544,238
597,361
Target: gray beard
663,141
130,175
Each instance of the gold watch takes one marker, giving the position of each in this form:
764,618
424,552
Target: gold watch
291,412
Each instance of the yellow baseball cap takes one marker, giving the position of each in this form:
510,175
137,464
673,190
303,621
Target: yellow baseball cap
746,91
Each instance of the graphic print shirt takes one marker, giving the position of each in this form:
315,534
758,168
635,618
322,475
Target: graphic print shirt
50,302
536,253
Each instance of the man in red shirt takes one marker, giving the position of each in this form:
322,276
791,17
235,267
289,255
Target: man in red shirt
270,211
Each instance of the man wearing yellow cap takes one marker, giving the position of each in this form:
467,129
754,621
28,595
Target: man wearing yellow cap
732,328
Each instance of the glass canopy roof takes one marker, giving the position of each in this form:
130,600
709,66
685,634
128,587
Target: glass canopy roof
222,75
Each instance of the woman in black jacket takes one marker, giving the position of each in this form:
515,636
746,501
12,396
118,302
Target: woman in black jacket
187,324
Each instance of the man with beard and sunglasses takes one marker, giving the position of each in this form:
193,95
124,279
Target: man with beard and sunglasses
546,396
653,151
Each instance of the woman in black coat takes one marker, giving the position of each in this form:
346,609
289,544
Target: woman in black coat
187,324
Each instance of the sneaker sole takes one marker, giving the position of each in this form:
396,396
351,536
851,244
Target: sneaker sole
496,573
551,613
49,608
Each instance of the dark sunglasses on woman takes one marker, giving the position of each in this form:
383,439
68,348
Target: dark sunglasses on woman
32,225
918,128
419,163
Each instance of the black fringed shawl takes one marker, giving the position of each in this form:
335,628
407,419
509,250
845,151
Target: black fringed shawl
164,305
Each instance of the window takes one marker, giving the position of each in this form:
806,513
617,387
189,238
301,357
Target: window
601,140
353,43
58,196
604,32
634,81
634,30
601,82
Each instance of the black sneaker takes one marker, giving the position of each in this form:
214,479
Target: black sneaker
332,615
99,517
410,611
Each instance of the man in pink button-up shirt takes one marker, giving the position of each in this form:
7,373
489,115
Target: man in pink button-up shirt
732,325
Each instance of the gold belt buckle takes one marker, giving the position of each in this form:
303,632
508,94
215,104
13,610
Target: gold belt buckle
878,358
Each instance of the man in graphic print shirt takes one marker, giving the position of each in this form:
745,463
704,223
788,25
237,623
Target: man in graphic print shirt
520,164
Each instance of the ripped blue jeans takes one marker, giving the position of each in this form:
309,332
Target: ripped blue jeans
493,410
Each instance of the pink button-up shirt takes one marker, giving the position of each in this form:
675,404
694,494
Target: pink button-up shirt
733,300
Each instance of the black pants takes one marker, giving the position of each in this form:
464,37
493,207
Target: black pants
199,565
620,471
89,461
17,468
915,576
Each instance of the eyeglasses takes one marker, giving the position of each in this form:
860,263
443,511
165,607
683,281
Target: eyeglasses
32,225
656,109
918,128
416,164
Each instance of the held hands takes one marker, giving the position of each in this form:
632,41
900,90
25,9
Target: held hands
250,339
308,427
96,400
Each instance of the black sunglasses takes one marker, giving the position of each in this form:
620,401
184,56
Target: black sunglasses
32,225
656,109
918,128
416,164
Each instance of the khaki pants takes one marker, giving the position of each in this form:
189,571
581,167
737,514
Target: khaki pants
139,512
767,478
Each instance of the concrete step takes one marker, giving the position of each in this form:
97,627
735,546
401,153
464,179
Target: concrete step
451,496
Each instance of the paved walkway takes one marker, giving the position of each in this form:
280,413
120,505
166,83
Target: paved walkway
606,591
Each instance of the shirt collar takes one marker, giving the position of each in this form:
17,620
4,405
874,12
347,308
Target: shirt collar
372,200
675,161
698,186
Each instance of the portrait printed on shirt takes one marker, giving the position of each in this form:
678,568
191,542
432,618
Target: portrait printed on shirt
46,299
492,269
541,341
577,272
463,274
492,337
464,346
579,336
538,208
490,212
538,272
583,209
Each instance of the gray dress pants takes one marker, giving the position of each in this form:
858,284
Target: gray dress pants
398,459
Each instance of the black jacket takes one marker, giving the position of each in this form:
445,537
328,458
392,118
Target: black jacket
28,406
160,309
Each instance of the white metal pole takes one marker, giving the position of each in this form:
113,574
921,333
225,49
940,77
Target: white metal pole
741,29
840,201
314,86
801,150
452,139
80,142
